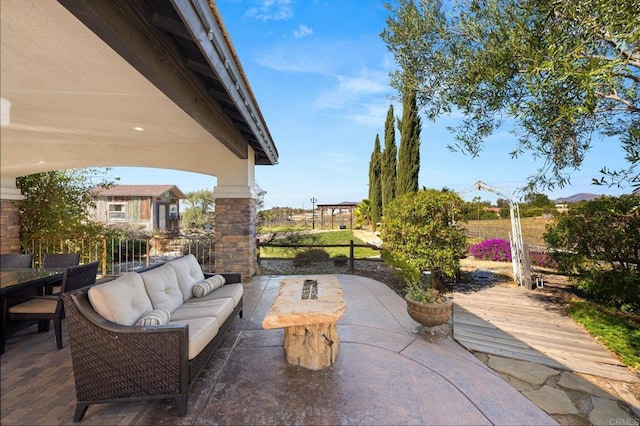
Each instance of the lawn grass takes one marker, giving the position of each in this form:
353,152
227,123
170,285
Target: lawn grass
329,237
617,331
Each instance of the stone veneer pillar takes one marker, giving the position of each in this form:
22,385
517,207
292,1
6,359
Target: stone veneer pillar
235,233
10,226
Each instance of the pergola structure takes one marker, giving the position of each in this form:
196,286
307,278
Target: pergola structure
146,83
345,205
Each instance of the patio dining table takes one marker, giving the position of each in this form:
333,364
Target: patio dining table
23,282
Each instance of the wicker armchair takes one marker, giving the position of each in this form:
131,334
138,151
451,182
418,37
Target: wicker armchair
15,260
113,363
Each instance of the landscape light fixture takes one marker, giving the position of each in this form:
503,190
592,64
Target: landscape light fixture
313,212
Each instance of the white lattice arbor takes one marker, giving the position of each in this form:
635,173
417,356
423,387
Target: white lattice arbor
515,236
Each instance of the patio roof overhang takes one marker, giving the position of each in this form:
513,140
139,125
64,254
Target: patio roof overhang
149,83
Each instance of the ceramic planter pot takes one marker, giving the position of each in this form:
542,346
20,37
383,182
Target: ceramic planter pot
429,314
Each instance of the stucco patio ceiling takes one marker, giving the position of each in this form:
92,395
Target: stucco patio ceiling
124,83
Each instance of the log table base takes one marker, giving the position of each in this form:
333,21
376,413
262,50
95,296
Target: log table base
308,308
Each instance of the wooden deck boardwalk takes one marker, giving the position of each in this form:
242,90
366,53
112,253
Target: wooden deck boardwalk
512,322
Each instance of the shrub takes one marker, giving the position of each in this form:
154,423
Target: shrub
599,240
340,260
304,258
422,232
613,288
119,249
496,250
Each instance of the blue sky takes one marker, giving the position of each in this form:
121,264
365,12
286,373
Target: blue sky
320,73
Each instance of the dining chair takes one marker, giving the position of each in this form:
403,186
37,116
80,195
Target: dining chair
15,260
51,307
57,260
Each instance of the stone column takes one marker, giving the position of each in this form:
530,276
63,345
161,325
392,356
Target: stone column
10,197
235,234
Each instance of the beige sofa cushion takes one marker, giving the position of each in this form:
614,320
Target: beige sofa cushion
196,308
233,291
188,273
162,286
122,300
201,332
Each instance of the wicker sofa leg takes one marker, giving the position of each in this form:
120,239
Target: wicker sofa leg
81,409
181,404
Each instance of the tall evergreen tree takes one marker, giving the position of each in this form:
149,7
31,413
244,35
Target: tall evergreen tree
389,160
409,152
375,183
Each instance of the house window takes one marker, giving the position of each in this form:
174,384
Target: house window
118,211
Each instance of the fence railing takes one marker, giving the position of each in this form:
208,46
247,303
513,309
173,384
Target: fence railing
351,246
120,255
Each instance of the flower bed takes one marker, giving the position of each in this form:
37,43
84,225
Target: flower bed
495,250
500,251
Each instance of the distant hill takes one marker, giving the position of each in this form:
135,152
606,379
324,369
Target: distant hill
583,196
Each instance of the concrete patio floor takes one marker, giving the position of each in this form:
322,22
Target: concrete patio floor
384,374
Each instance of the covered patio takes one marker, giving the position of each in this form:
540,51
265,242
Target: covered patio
383,375
152,83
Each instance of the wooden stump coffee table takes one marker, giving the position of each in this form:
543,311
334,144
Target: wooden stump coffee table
308,307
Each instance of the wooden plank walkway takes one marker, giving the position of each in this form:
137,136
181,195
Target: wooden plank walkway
512,322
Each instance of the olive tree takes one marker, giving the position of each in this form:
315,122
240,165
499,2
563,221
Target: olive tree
562,72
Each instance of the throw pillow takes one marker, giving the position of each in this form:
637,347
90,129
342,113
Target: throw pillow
205,287
158,316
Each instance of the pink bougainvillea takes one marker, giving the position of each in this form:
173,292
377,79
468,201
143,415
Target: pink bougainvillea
500,251
496,250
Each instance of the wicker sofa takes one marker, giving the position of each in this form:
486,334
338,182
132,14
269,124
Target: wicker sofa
123,349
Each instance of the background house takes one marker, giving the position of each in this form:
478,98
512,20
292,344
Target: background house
147,208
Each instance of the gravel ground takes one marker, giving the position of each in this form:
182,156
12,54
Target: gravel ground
373,269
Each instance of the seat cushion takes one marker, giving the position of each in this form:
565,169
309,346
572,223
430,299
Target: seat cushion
162,286
233,291
188,273
35,306
196,308
122,300
201,332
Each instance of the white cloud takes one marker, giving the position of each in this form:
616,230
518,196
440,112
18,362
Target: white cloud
272,10
372,115
305,56
302,31
352,88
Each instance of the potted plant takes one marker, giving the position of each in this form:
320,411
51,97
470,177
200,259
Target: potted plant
423,239
427,303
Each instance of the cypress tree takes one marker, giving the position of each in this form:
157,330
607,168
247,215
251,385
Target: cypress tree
409,152
389,160
375,183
